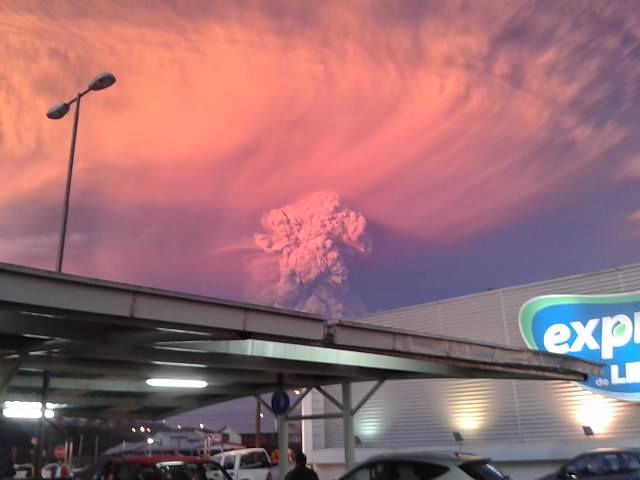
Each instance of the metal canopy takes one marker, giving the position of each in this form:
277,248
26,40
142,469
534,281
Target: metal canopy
99,341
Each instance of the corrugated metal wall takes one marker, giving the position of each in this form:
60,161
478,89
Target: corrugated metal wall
424,413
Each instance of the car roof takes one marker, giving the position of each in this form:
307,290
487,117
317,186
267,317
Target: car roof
613,450
154,459
241,451
426,456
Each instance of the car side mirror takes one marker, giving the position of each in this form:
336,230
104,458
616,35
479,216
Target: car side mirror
567,475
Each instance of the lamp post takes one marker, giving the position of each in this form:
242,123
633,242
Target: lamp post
102,81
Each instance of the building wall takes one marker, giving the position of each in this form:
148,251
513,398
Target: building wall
490,413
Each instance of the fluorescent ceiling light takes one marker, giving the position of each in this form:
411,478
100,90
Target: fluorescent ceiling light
27,409
13,412
179,364
32,405
176,383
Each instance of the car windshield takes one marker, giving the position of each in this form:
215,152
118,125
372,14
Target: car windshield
181,471
254,460
482,471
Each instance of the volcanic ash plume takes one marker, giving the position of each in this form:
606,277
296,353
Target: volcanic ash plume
312,237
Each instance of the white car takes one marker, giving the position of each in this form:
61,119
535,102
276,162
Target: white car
425,466
245,464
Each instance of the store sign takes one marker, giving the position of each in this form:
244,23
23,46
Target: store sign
601,328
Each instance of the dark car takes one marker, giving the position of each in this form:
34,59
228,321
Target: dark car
425,466
161,467
601,464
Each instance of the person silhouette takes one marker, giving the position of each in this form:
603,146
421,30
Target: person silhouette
301,471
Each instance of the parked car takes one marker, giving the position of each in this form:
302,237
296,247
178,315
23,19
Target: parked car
601,464
56,471
161,467
245,464
23,471
425,466
83,472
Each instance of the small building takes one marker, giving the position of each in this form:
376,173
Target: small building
182,441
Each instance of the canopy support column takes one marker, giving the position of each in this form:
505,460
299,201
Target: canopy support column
44,392
347,419
283,446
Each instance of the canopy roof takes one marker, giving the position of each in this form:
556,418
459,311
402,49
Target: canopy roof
100,340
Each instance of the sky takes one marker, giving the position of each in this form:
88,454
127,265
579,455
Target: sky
338,157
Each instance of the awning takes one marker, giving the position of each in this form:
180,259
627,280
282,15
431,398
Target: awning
100,341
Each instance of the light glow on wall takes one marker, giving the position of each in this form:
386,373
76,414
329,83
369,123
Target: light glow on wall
368,429
470,414
595,411
468,421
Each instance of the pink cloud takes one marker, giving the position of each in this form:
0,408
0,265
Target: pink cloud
433,127
312,238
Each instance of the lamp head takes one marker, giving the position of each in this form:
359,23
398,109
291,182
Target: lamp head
58,111
102,81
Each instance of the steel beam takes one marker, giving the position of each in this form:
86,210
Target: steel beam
76,366
108,385
14,322
330,397
156,336
320,416
225,361
401,343
78,401
372,365
23,286
264,404
299,400
366,397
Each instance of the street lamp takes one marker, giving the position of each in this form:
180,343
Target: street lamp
102,81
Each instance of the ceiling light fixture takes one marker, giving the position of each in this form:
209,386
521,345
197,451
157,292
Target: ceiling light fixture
176,383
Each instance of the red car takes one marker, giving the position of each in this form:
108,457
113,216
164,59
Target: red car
161,467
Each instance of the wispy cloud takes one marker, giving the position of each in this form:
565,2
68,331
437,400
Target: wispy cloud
439,119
